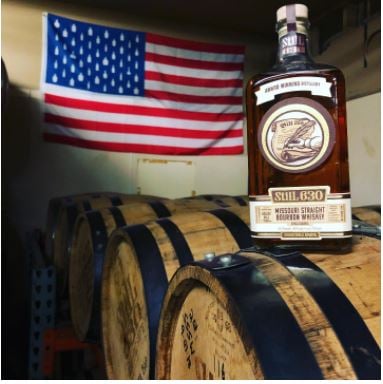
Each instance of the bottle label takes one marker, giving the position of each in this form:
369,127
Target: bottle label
293,43
316,85
296,135
301,213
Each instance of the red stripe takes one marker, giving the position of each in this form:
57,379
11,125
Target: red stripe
138,110
193,81
192,63
195,46
233,100
140,129
140,148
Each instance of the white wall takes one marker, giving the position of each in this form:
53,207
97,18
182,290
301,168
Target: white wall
364,139
347,51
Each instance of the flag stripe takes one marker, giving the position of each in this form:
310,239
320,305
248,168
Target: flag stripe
195,46
131,101
164,122
192,63
143,139
139,148
190,54
193,99
197,73
192,90
194,81
139,129
55,102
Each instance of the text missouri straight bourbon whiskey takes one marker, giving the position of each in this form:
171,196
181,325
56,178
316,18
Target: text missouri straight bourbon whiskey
297,147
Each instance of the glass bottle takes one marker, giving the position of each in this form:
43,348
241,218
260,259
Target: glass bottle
299,186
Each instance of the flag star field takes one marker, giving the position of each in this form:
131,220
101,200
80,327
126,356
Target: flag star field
95,58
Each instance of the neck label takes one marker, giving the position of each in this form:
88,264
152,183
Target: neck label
316,85
293,43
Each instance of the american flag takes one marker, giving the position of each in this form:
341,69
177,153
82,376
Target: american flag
113,89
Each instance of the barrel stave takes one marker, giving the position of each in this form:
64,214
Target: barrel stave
368,214
130,353
313,323
352,271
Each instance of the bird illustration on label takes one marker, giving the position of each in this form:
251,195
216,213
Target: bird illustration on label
296,139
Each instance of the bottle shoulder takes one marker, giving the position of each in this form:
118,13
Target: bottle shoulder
299,64
279,72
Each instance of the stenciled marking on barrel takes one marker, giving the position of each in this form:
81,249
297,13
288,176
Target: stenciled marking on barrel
130,311
206,344
217,323
189,327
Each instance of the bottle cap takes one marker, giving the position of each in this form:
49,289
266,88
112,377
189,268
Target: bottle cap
300,11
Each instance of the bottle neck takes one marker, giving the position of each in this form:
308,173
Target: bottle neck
293,41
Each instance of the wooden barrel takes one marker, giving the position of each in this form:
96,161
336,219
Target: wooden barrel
139,261
274,314
62,216
90,235
370,214
54,207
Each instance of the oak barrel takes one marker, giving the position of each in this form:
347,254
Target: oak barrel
53,211
62,215
274,314
140,259
370,214
90,235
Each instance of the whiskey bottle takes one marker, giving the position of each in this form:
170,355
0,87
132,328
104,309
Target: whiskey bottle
297,147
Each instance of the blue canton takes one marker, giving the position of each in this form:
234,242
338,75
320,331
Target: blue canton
95,58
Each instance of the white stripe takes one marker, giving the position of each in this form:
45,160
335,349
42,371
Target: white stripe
138,120
142,139
190,90
195,55
139,101
190,72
